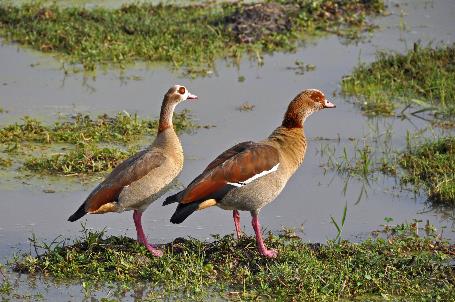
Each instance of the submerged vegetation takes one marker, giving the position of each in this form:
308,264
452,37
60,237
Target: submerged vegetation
432,164
193,35
398,268
84,145
424,76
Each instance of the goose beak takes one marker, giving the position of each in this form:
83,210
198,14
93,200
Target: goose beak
192,97
328,104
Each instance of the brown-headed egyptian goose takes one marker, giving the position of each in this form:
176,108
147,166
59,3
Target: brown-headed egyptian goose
145,176
250,175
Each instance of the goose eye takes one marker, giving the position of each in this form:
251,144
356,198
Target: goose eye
182,90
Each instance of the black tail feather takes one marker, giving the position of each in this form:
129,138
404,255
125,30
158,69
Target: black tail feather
78,214
173,198
183,211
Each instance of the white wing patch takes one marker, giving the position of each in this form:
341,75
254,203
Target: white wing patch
263,173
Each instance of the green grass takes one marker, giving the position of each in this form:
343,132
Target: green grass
424,76
432,165
429,164
363,162
192,36
400,268
122,127
85,159
79,145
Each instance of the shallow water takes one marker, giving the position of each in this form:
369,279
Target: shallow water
311,196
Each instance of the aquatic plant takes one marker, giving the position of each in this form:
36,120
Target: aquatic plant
192,35
422,77
339,227
427,163
246,107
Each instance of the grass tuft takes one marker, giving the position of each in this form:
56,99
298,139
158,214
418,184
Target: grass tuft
432,164
423,76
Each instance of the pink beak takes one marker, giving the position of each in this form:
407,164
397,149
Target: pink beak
192,97
328,104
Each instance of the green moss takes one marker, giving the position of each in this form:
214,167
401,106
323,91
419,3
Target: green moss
432,164
84,159
423,77
193,35
401,268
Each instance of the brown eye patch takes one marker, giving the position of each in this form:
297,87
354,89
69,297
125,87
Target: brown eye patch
317,96
182,90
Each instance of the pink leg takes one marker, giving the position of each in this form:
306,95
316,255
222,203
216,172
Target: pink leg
261,246
236,216
141,236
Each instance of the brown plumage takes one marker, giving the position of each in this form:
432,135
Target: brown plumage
145,176
234,166
250,175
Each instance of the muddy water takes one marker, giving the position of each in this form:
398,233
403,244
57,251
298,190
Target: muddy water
310,197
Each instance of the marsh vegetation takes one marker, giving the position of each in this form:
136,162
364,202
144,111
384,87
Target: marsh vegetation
79,144
392,263
425,163
191,35
423,77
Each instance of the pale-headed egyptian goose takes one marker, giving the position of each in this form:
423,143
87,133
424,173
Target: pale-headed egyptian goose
250,175
145,176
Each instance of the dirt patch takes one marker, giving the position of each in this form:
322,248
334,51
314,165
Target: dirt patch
251,23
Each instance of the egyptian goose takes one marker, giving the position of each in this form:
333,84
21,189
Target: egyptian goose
249,175
145,176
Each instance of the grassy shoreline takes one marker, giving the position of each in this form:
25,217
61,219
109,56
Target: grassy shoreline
190,36
399,268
